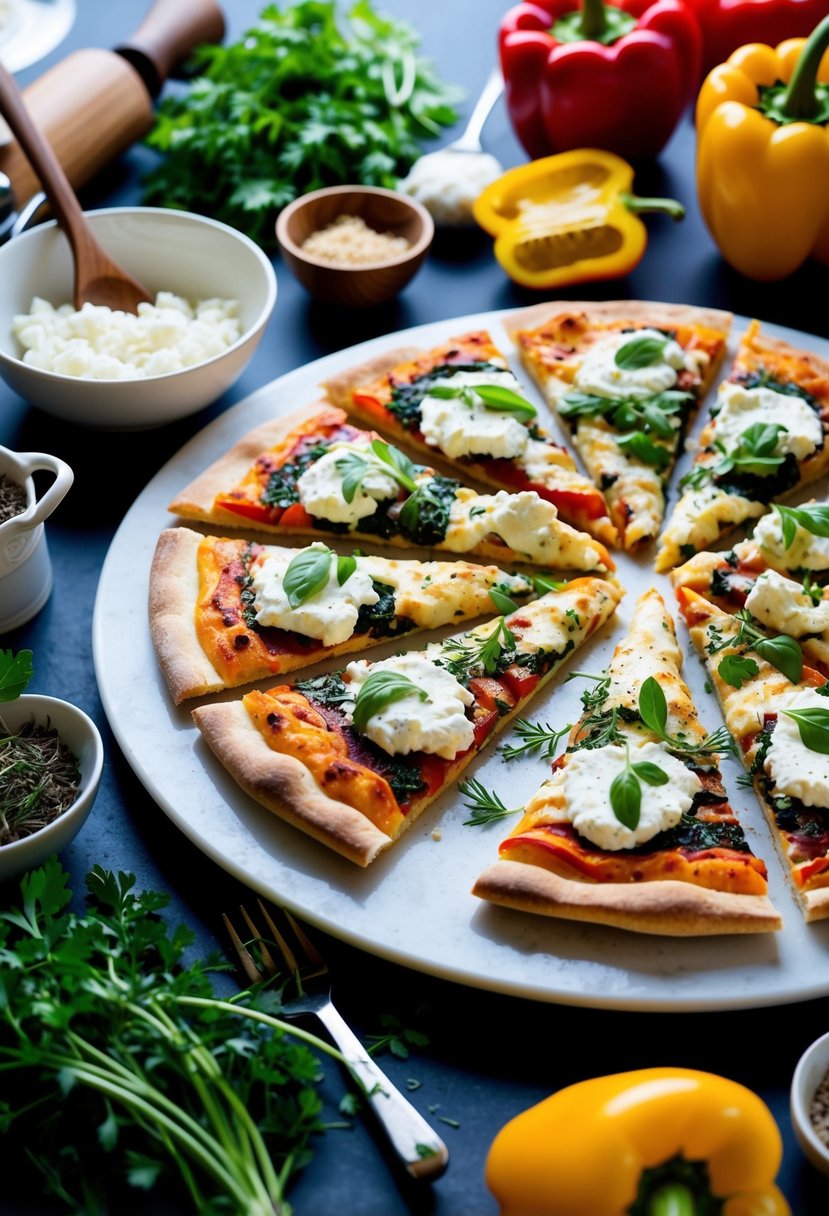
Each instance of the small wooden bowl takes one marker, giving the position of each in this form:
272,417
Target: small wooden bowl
383,210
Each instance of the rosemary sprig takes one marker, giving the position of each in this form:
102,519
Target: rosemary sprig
534,738
464,655
486,806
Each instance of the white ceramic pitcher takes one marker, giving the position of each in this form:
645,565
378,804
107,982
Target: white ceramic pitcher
25,566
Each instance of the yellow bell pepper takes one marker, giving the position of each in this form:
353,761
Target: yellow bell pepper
568,218
763,155
654,1142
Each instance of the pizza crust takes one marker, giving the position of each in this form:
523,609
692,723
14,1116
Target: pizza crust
339,387
603,312
173,594
668,908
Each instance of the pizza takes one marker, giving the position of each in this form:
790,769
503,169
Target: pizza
461,403
765,439
228,611
625,379
353,757
312,473
777,710
634,828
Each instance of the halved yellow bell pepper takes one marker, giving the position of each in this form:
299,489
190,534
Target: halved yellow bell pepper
568,218
763,155
653,1142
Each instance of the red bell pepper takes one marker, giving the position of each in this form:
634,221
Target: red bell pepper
613,76
729,24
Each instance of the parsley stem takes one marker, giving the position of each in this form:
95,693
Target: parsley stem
256,1015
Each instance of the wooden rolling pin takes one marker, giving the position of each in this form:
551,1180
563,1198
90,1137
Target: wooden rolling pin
95,103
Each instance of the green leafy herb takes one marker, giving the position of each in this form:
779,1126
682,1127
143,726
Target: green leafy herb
626,790
491,396
644,449
756,453
15,673
486,806
381,689
462,656
504,604
309,96
745,780
813,590
378,456
424,516
653,710
397,1038
813,725
543,583
640,352
653,413
535,738
735,669
781,652
814,518
345,568
595,697
307,573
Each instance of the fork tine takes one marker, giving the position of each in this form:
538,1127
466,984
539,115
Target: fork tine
268,963
287,953
311,952
245,957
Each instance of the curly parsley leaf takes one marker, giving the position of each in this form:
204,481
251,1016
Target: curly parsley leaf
735,669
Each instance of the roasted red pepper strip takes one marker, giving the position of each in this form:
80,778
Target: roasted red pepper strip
728,24
616,77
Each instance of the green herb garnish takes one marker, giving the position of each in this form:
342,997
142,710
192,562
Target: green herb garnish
535,738
756,454
381,689
735,669
491,396
813,725
378,456
814,518
15,673
653,710
640,352
307,573
781,652
486,806
463,655
626,790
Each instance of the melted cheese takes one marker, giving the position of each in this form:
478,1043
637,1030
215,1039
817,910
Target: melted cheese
524,521
600,376
742,407
806,552
329,615
320,489
782,604
459,429
433,593
699,518
437,725
794,768
579,793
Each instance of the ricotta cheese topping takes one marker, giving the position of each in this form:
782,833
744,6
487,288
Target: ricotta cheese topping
793,767
329,615
437,725
320,489
524,521
782,604
743,407
459,429
806,552
702,514
583,784
600,375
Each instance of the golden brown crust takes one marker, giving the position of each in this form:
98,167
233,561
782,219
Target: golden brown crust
669,908
602,312
339,387
173,593
815,904
196,500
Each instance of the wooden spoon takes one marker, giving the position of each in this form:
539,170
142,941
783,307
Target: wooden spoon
98,280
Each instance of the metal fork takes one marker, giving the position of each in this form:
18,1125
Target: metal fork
417,1145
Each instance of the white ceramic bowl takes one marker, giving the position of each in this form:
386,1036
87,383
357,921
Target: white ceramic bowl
178,251
82,737
810,1071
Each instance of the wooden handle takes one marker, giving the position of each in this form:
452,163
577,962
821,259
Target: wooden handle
90,107
168,34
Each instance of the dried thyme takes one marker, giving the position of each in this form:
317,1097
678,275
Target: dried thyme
39,780
12,498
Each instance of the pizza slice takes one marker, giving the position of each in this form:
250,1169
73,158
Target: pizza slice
225,612
625,378
354,756
634,828
765,439
311,473
777,710
460,402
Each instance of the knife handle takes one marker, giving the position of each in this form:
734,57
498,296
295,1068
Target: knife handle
167,35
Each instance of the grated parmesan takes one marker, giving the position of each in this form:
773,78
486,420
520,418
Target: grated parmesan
349,241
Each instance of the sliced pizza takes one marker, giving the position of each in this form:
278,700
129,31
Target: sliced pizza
311,473
634,828
461,403
625,378
225,612
777,710
353,757
765,439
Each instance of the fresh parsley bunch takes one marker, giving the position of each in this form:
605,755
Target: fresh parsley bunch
308,97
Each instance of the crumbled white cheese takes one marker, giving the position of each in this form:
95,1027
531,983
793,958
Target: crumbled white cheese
793,767
458,429
524,521
806,552
584,781
320,489
782,604
447,184
701,515
742,407
437,725
97,343
329,615
600,376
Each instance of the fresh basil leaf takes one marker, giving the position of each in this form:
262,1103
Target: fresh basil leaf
626,798
735,669
404,469
345,568
761,438
496,397
445,391
788,525
381,689
653,708
15,673
543,583
814,518
652,773
784,654
644,449
503,603
353,468
659,422
640,352
575,404
813,725
307,573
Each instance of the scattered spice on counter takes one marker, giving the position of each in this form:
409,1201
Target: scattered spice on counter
819,1109
12,498
349,241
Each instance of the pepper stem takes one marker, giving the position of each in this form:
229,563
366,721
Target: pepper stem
593,19
668,206
673,1199
800,102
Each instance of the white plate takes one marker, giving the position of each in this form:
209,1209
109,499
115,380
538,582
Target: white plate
413,905
30,29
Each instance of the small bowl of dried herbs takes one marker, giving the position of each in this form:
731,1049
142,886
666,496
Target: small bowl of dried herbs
51,760
809,1103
